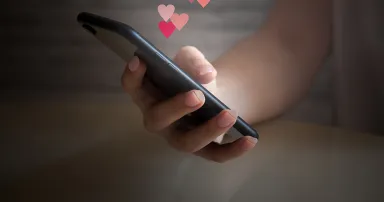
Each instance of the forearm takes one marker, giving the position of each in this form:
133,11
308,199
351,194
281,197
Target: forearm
268,72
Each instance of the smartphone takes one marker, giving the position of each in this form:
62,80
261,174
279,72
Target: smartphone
162,72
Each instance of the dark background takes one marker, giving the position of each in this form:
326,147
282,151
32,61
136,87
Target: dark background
69,133
46,53
46,50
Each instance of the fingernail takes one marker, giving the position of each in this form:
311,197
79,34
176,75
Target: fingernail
227,119
249,143
133,64
252,140
203,66
205,70
194,98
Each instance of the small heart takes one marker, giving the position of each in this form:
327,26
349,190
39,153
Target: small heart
167,28
166,11
190,1
203,3
180,20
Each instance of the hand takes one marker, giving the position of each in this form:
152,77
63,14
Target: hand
160,116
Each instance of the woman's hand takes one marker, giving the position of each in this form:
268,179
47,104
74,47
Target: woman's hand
160,116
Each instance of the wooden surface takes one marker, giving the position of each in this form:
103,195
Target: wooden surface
83,150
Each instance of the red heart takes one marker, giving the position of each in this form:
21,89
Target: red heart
167,28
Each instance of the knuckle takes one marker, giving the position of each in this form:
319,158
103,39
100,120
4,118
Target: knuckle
211,128
181,144
148,123
127,87
135,99
137,95
123,81
152,120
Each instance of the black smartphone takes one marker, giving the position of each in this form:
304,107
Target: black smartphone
162,72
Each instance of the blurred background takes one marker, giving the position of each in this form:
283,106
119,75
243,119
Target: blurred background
61,97
46,53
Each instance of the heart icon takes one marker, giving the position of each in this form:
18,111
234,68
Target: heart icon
167,28
190,1
166,12
180,20
203,3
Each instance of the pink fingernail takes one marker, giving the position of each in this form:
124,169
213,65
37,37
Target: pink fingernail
206,69
227,119
194,98
203,66
134,64
249,143
252,140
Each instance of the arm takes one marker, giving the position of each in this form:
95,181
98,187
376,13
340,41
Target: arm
260,78
271,70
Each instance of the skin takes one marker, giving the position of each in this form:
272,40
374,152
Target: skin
269,71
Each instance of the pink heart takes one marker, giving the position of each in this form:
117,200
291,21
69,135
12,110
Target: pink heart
167,28
166,11
180,20
190,1
203,3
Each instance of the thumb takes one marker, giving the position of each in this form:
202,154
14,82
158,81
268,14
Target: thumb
193,62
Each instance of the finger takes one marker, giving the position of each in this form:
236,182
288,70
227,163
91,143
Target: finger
163,114
133,75
200,137
192,61
133,80
226,152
